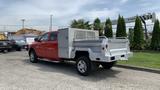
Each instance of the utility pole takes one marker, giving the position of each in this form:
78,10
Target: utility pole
23,20
50,28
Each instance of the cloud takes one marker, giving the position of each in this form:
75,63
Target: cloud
63,11
46,7
37,12
92,14
103,13
124,1
146,4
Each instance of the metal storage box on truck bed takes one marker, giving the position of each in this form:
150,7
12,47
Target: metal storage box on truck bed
68,35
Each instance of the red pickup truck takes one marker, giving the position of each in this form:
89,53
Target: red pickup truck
83,46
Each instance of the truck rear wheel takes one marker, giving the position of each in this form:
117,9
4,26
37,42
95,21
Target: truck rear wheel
108,65
83,65
33,57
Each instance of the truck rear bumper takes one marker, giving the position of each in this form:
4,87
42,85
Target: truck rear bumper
111,58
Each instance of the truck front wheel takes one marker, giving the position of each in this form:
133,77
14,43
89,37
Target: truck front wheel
83,65
33,57
108,65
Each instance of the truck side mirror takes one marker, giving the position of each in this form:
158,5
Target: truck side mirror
36,39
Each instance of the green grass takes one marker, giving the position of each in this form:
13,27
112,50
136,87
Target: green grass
149,59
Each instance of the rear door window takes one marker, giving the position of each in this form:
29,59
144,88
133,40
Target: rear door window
53,36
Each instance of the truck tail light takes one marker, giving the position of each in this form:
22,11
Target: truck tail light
106,46
103,48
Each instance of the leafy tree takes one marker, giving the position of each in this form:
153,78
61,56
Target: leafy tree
130,37
121,27
155,41
98,26
124,34
81,24
138,39
74,24
108,28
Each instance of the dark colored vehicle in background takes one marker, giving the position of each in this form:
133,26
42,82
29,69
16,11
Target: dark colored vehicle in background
5,45
16,45
19,44
22,41
12,45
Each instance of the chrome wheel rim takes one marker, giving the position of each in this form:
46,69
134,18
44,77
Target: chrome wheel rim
82,67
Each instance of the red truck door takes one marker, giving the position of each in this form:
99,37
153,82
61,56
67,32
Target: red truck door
52,47
42,45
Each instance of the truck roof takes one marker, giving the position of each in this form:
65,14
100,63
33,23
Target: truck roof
53,31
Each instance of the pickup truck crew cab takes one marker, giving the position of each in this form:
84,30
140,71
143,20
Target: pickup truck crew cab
83,46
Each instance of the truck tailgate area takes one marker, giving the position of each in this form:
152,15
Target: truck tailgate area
118,45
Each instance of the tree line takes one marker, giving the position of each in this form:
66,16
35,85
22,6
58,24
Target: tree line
135,35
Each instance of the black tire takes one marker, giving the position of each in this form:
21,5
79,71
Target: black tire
33,57
18,49
4,51
86,69
9,50
108,65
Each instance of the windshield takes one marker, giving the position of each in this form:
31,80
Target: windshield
20,41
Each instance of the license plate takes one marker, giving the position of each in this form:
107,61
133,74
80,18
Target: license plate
123,58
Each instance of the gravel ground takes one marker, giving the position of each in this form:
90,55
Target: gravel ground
17,73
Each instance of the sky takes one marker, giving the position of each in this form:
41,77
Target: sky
37,12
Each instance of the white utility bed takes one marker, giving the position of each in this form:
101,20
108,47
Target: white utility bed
100,49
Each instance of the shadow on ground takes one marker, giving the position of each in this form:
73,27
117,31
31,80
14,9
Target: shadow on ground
68,68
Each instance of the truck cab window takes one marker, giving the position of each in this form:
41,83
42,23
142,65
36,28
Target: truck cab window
44,37
53,36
